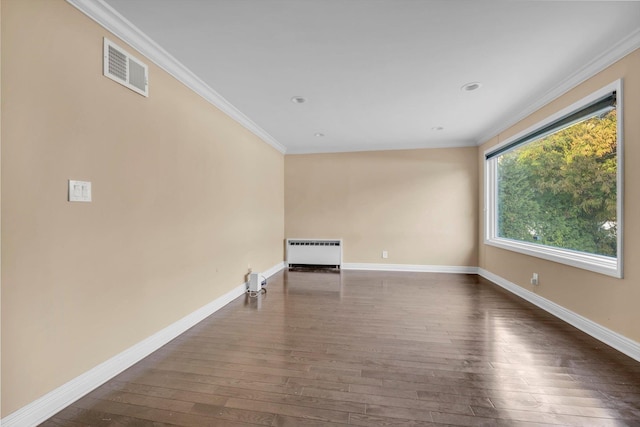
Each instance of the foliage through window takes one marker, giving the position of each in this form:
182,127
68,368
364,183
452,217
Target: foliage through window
557,187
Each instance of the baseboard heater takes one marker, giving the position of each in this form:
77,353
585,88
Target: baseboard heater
312,252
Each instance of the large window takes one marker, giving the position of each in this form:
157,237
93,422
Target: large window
554,191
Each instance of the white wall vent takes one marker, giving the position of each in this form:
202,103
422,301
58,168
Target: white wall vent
326,252
125,69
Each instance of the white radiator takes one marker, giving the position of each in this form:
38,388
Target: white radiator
326,252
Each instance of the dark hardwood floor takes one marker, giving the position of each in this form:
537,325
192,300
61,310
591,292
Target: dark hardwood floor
373,349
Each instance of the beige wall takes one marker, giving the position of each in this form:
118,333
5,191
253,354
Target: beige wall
419,205
184,199
610,302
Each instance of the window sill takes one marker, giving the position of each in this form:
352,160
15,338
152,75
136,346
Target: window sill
597,263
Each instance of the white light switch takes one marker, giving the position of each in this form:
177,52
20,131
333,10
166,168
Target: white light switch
79,191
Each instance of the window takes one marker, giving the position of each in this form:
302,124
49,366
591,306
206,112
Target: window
555,190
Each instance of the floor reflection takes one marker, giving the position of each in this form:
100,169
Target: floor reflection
375,348
254,300
314,281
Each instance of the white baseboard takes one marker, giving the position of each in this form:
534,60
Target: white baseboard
411,267
56,400
273,270
63,396
619,342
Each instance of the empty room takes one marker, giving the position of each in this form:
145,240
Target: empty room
320,213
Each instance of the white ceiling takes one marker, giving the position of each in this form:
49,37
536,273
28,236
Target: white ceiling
382,74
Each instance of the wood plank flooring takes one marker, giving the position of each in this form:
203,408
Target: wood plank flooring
372,349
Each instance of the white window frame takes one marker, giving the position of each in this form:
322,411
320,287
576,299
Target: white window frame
609,266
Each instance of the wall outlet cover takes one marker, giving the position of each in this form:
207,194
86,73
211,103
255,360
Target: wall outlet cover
79,191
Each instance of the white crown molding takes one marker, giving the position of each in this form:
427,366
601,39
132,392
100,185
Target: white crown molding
111,20
48,405
599,63
411,267
597,331
325,149
117,24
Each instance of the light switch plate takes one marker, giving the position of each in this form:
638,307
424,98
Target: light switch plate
79,191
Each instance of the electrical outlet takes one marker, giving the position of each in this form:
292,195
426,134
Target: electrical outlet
534,279
385,254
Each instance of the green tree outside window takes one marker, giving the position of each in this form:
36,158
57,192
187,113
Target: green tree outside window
560,190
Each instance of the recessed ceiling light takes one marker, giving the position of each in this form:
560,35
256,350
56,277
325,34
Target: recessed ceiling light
318,134
469,87
437,128
298,99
